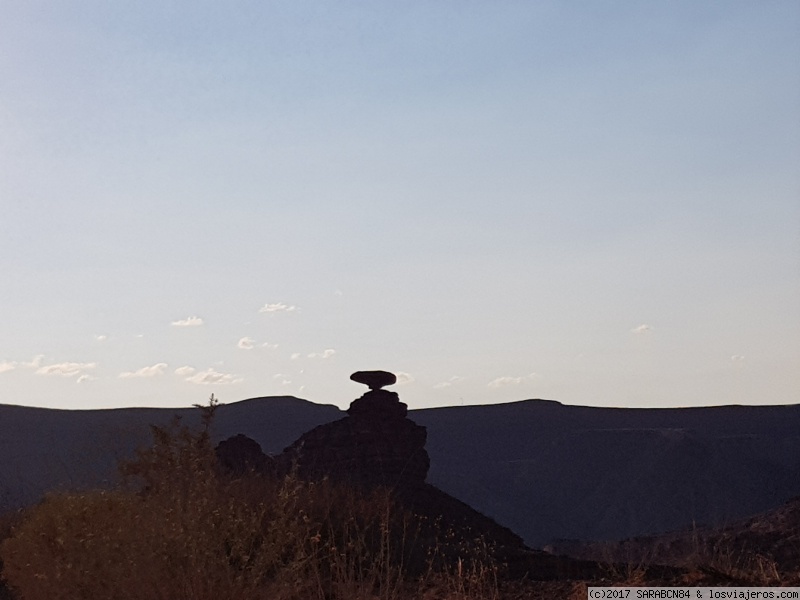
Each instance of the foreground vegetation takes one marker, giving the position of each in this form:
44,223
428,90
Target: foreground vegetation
180,528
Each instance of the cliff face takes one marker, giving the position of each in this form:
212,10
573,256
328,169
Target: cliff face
375,445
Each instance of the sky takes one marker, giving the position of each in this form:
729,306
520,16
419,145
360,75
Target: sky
590,202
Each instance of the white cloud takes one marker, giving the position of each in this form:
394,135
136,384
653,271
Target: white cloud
157,369
192,321
66,369
212,377
277,307
403,378
246,343
324,354
184,371
504,381
643,328
35,363
448,383
7,366
101,338
295,356
269,346
737,358
85,377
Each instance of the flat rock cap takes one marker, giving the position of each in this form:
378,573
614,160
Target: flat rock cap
374,379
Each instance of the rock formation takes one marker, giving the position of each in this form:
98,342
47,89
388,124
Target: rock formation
375,380
378,445
375,445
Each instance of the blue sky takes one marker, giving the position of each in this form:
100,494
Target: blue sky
597,203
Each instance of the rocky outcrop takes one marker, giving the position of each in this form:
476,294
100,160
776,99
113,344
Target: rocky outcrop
375,445
240,454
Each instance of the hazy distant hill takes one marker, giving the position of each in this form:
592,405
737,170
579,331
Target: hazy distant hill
550,471
43,449
545,470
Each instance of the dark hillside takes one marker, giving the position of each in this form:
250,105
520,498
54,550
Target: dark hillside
545,470
552,471
767,543
46,449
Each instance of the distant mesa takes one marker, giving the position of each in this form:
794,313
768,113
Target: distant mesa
374,379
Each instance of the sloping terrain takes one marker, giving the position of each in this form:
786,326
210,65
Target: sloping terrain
545,470
765,546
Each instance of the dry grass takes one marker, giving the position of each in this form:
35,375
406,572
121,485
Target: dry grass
762,551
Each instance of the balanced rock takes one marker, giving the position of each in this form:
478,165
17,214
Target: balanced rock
374,379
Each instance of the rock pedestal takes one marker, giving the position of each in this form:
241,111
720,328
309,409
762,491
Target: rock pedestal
375,445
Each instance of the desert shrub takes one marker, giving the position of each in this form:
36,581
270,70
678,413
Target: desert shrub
181,531
7,521
180,528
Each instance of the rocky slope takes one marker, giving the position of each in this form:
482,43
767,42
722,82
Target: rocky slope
765,546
